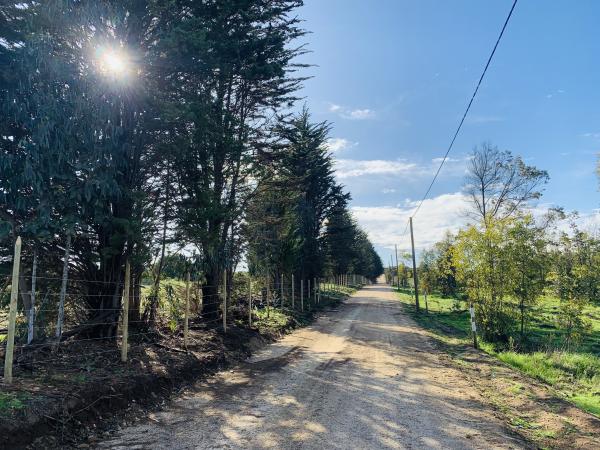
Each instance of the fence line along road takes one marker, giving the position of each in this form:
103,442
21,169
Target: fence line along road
24,332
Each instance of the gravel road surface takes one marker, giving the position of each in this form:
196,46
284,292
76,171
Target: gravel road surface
363,376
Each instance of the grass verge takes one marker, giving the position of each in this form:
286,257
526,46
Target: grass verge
574,375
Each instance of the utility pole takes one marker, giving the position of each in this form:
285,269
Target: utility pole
391,273
415,276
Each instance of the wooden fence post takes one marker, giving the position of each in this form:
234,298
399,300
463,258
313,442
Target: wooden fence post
301,295
225,301
31,316
318,290
308,292
268,295
281,289
292,291
200,297
473,325
125,324
249,301
12,314
186,312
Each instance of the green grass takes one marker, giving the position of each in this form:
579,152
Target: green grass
587,402
575,374
272,319
543,332
277,319
10,402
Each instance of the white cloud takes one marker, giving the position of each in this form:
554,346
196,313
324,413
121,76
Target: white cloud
334,108
352,168
557,92
592,135
339,144
350,113
388,190
359,114
385,224
349,168
590,222
448,160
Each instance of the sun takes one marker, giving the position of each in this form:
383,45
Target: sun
113,62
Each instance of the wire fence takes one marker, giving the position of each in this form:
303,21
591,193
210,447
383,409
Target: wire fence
71,322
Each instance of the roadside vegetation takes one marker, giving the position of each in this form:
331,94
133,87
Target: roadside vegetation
84,391
574,374
532,280
167,137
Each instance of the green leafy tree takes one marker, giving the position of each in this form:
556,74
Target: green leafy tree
483,267
527,244
570,278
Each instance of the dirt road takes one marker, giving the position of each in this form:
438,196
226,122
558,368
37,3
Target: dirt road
361,377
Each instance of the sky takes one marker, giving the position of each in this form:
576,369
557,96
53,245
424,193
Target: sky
394,77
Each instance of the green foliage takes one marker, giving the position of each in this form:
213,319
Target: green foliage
348,247
436,268
575,374
167,154
575,281
484,268
297,221
527,246
10,402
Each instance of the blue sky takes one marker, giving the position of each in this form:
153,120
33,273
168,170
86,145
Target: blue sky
394,77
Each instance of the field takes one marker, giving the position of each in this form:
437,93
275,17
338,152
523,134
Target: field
575,374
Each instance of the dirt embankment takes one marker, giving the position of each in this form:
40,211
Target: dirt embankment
82,391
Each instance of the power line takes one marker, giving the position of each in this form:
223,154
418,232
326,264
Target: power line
465,113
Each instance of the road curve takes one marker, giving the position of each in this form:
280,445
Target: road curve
363,376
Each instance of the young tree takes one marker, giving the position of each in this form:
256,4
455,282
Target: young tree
570,278
444,266
527,247
483,267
